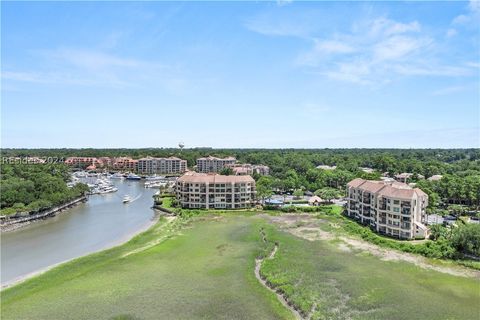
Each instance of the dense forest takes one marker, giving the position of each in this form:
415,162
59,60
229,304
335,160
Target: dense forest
295,169
27,188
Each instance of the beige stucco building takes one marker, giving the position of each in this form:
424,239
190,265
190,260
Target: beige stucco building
171,165
214,164
208,191
390,208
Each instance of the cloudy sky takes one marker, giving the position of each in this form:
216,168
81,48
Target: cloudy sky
274,74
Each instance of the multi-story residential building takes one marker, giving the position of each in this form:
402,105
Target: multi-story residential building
261,169
124,163
105,162
249,169
201,190
214,164
169,165
81,161
391,208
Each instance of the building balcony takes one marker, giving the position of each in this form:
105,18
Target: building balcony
406,226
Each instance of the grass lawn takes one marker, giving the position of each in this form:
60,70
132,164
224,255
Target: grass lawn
206,272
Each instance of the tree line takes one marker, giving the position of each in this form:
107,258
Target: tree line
30,188
295,169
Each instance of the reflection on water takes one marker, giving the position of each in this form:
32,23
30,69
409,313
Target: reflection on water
97,224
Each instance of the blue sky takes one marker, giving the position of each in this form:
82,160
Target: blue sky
268,74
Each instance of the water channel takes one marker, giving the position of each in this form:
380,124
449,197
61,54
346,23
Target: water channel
101,222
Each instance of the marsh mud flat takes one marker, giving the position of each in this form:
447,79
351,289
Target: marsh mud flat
263,281
309,227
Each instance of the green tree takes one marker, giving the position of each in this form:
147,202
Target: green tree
226,171
264,187
466,239
298,193
327,193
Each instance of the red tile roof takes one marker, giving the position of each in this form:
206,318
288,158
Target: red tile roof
193,177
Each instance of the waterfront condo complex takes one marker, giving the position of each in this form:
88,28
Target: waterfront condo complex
201,190
171,165
214,164
391,208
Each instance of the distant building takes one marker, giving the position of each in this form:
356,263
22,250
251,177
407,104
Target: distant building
315,201
207,191
261,169
124,163
249,169
325,167
390,208
403,177
171,165
436,177
434,219
104,162
81,161
367,170
214,164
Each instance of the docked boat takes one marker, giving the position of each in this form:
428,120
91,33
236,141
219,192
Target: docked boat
116,175
154,178
107,189
126,199
154,184
133,176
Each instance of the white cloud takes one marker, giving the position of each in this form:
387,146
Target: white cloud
373,51
20,76
332,46
473,64
277,27
397,47
451,33
376,51
449,90
474,5
282,3
86,67
315,108
472,16
89,59
426,69
386,27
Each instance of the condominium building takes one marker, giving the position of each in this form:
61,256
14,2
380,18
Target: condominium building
201,190
391,208
249,169
214,164
124,163
169,165
81,161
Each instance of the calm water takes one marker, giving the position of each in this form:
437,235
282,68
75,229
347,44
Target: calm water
97,224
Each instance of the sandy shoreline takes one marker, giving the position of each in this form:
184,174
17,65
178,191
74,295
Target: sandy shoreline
111,245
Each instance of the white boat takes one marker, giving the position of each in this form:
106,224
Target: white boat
80,174
126,199
133,176
155,184
107,189
116,175
154,178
